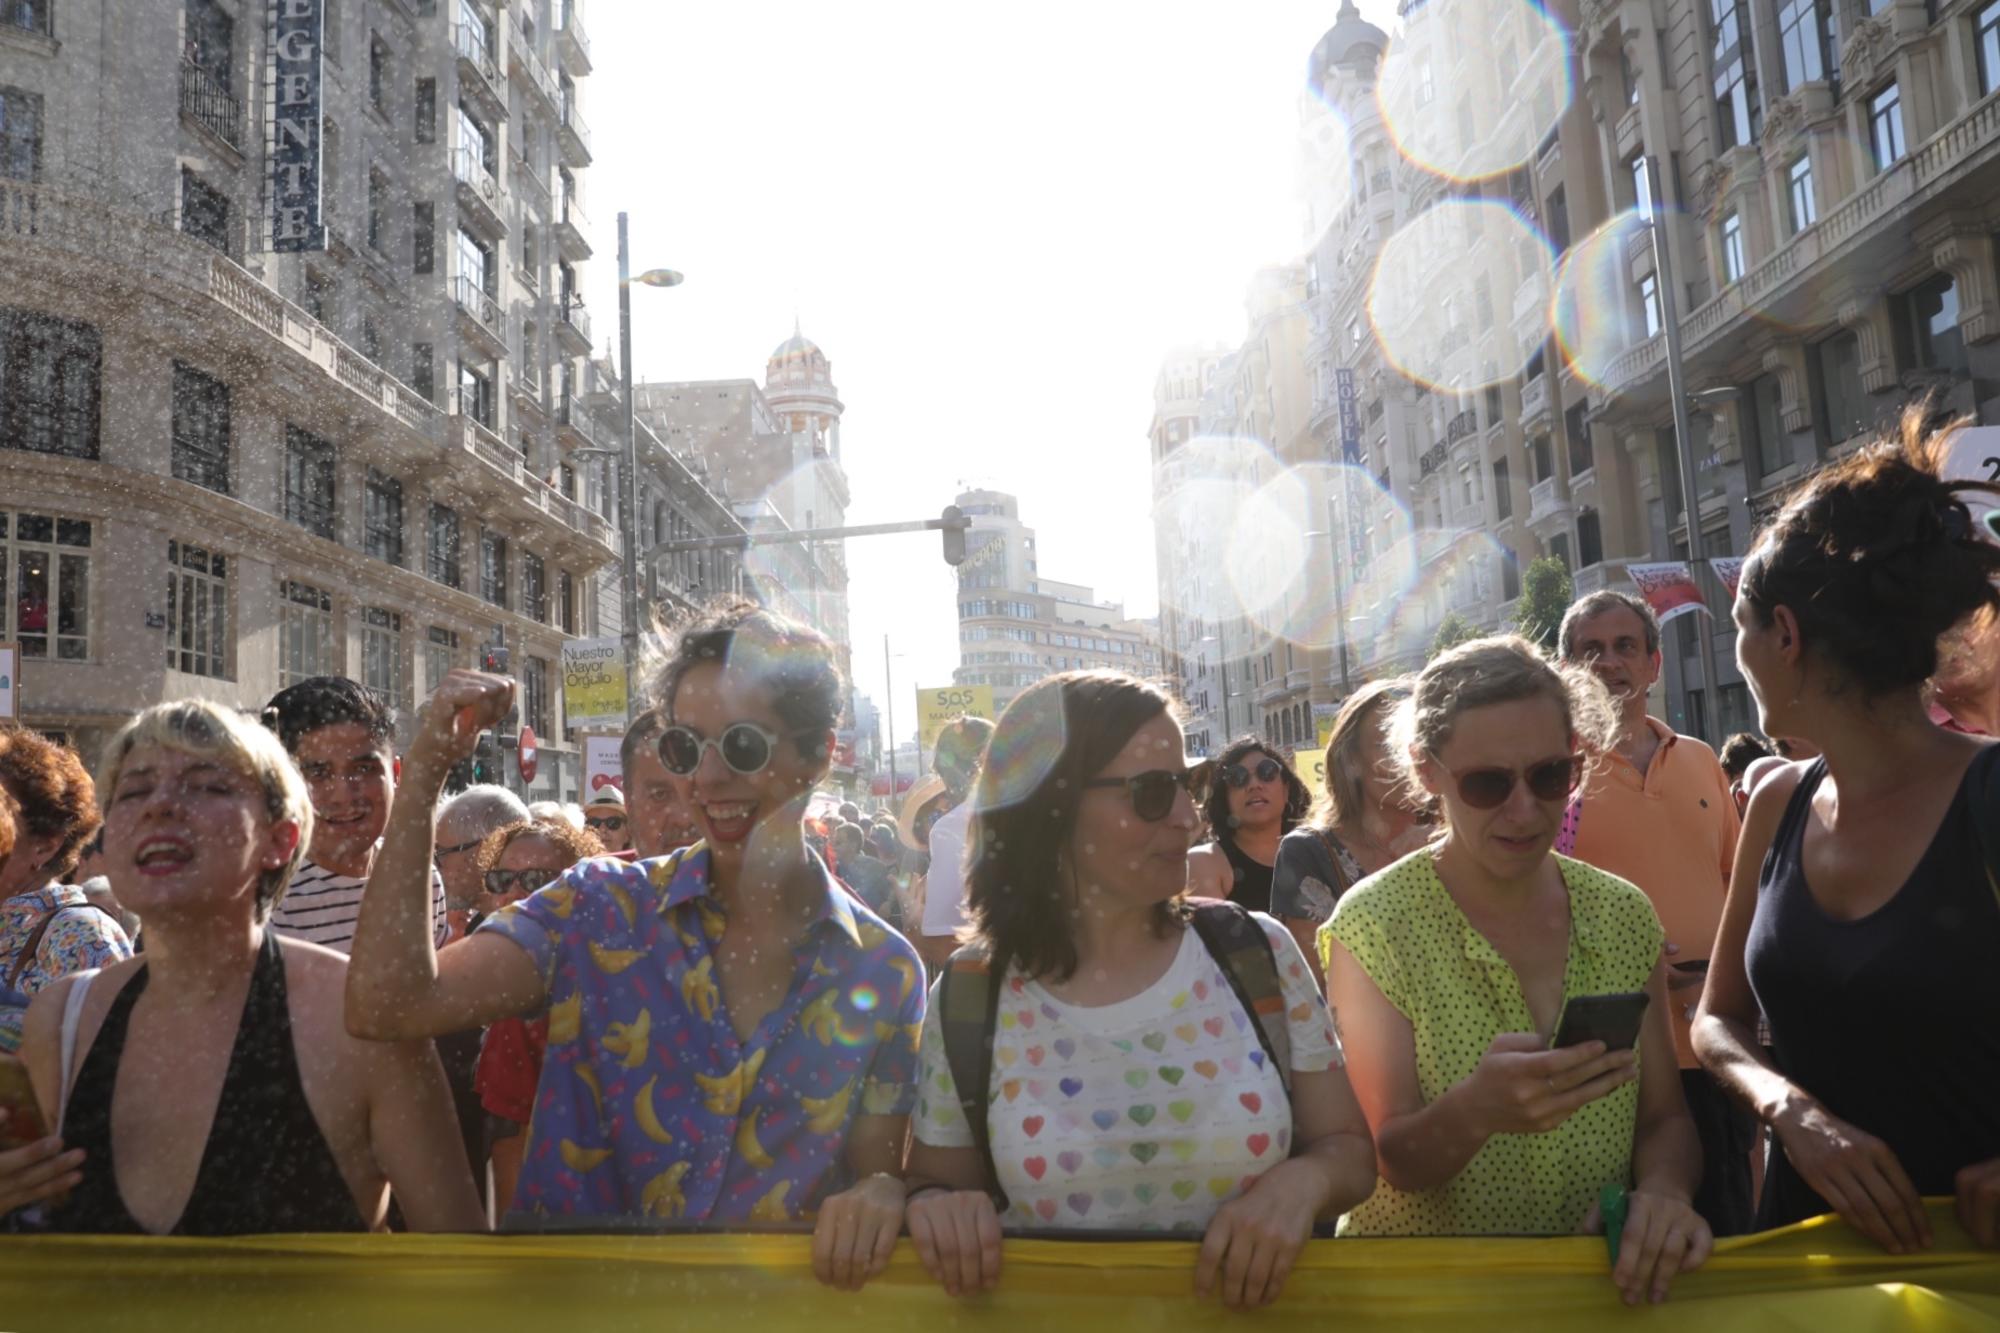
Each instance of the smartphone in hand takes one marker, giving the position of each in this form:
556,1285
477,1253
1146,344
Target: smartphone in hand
23,1124
1612,1019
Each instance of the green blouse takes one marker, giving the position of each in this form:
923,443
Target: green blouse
1419,949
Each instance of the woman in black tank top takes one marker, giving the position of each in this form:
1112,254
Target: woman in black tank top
1254,799
209,1087
1864,913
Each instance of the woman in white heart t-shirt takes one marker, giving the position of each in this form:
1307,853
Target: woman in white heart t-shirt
1129,1089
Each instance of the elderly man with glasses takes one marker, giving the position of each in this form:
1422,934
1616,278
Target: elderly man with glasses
462,824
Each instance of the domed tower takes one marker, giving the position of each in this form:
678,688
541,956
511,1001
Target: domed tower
1352,46
798,385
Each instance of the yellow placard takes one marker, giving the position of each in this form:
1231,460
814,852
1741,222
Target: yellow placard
937,705
1310,765
594,684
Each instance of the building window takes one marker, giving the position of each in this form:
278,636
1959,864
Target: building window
1577,430
201,429
319,296
378,212
493,568
382,518
1732,248
475,263
1805,32
1799,181
309,482
1842,409
440,653
378,76
1931,316
475,141
1557,216
441,546
1771,450
204,211
1510,579
423,371
20,130
32,15
49,381
1649,304
535,695
1503,493
1543,458
382,653
566,603
305,633
1986,28
210,39
475,393
1885,126
1589,539
534,588
1739,118
427,111
45,570
197,611
423,237
1642,184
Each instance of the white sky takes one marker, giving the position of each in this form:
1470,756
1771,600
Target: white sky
995,221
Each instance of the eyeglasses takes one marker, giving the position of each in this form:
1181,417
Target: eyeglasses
745,747
1239,775
606,824
518,881
440,853
1152,792
1489,788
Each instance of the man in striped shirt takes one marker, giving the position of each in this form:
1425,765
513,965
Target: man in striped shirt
341,735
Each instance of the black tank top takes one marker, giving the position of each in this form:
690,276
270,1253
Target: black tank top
266,1166
1253,879
1891,1021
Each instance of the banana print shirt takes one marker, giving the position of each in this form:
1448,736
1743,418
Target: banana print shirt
649,1105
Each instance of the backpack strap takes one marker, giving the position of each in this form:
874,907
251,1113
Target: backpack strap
968,1013
1238,944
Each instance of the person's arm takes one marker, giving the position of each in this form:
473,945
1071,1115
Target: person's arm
413,1129
1208,873
506,1155
1519,1086
1290,902
951,1218
399,984
1856,1173
1663,1234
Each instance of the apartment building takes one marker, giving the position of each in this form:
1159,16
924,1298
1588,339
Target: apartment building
226,467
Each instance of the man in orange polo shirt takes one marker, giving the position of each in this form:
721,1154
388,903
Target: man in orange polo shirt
1657,811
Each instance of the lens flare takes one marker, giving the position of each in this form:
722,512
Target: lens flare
1023,750
1598,312
1460,295
864,998
1470,88
1203,491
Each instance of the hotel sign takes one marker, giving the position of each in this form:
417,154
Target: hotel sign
296,84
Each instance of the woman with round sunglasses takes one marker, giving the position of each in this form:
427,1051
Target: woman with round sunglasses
1128,1085
513,862
1451,971
1254,800
732,1037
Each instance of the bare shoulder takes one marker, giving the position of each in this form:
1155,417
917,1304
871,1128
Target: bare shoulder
1208,872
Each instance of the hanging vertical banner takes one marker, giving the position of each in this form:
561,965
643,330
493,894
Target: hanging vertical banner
1728,571
1669,589
1348,395
296,86
10,680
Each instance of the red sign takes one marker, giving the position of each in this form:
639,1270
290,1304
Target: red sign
529,755
1670,588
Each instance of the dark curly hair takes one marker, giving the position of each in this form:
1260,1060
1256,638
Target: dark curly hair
1056,735
1298,797
297,711
1877,556
52,794
795,662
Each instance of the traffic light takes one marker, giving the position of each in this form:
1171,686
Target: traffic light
954,535
493,659
486,758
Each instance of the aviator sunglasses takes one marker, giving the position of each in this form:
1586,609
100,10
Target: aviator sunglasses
745,747
1239,775
1153,792
1489,788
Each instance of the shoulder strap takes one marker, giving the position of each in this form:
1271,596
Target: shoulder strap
1572,820
968,1012
1238,944
72,1018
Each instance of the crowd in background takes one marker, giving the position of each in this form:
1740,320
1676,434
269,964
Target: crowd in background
262,974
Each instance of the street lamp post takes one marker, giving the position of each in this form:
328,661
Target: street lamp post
658,277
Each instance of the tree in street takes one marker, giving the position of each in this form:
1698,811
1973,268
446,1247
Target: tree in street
1546,592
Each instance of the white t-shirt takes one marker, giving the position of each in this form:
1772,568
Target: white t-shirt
1150,1113
322,907
944,882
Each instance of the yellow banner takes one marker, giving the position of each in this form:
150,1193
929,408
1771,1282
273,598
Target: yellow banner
594,684
1818,1277
1310,765
938,705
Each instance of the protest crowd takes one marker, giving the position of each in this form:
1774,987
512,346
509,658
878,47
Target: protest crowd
1530,964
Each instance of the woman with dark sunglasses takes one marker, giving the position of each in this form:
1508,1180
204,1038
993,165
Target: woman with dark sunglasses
1452,968
1130,1083
732,1037
1253,801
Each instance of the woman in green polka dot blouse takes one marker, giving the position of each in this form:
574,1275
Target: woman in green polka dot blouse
1449,971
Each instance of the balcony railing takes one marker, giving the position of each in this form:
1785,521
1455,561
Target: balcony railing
575,316
204,98
573,125
475,301
470,167
570,34
476,51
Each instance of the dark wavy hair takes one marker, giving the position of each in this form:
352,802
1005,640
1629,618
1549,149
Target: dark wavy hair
795,662
1877,556
1298,797
297,711
1056,735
